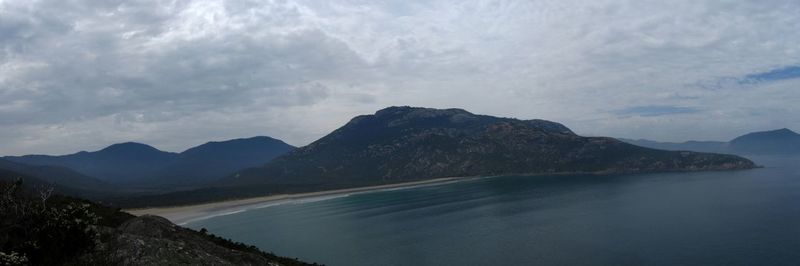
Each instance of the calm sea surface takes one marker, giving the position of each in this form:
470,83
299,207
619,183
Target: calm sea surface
715,218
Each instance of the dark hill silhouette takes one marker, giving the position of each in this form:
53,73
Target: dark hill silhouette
145,166
123,163
56,175
62,180
399,144
214,160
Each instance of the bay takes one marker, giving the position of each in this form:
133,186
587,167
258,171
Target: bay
747,217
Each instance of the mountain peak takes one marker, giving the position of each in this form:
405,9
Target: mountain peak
216,159
784,131
397,115
235,145
419,111
779,141
777,133
130,147
244,140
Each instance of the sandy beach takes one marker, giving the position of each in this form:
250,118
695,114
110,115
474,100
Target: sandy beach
184,214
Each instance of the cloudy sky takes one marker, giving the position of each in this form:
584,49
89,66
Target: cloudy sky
83,74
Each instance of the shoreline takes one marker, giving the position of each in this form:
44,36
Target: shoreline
184,214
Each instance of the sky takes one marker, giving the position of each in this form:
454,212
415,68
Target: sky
84,74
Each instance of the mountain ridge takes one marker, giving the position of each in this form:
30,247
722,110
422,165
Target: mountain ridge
771,142
62,180
216,159
398,144
122,163
139,164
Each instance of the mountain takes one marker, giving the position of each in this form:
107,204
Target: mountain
119,163
701,146
63,181
781,141
32,183
408,143
142,165
215,160
56,175
777,142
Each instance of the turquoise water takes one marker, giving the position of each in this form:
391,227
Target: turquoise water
714,218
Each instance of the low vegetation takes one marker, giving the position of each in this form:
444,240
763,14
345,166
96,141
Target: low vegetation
41,230
38,227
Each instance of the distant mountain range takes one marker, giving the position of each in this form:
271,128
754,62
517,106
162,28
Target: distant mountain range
406,143
139,164
55,175
123,163
393,145
775,142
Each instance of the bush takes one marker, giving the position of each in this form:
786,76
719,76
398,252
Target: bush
33,232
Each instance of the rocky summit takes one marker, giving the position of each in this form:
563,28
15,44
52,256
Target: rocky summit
399,144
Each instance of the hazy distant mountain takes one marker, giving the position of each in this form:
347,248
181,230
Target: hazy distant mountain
406,143
701,146
780,141
64,180
215,160
32,183
140,164
54,174
119,163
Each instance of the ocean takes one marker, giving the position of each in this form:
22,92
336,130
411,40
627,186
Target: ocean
749,217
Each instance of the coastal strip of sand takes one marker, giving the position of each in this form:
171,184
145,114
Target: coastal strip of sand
188,213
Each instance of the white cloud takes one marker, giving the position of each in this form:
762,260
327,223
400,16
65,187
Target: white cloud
81,75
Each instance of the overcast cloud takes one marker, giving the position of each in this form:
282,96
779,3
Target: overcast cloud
83,74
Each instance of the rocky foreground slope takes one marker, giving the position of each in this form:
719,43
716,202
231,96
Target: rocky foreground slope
37,228
407,143
153,240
